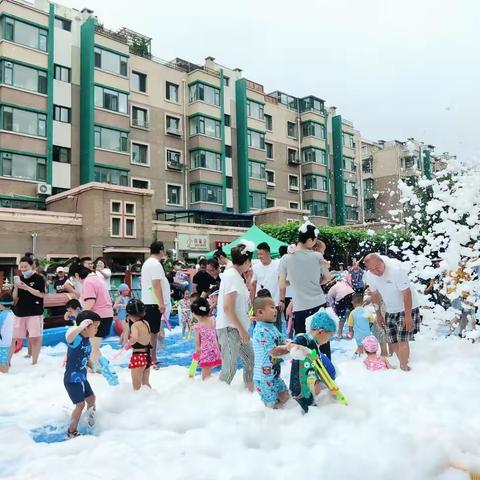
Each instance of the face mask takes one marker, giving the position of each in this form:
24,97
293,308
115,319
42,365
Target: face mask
27,273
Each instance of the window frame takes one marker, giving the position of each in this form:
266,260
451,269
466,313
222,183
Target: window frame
62,69
253,193
317,202
123,61
42,33
268,122
175,150
262,170
262,139
323,178
293,188
143,144
120,228
266,151
179,131
139,179
176,185
295,134
293,208
123,135
126,221
218,159
274,200
218,188
41,119
112,211
121,171
167,84
307,131
110,91
64,21
310,148
140,75
197,90
261,110
40,165
69,150
273,182
199,121
7,64
62,109
125,213
147,121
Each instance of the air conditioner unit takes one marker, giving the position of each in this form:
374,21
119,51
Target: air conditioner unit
44,189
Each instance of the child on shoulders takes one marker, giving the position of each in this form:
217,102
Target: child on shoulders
266,371
6,331
206,344
75,377
373,361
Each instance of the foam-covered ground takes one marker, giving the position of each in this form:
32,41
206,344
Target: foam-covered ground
397,426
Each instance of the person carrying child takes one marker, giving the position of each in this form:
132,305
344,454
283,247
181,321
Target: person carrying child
75,377
185,312
320,328
358,322
73,307
266,370
373,361
7,319
206,344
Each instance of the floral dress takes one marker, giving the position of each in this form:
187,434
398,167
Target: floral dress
209,349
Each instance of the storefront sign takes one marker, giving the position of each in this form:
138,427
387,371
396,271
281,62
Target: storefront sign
193,243
219,244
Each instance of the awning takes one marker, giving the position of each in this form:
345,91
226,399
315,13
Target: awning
126,250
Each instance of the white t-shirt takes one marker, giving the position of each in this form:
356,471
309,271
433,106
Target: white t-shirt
266,276
232,281
391,285
105,275
152,269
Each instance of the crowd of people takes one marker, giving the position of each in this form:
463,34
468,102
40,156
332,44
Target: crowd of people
258,311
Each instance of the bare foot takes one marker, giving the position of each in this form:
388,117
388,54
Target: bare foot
405,368
249,386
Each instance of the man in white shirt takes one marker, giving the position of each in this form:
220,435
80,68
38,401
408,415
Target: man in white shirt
155,294
388,281
265,276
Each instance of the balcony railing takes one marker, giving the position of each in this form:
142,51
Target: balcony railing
174,165
294,160
140,123
174,131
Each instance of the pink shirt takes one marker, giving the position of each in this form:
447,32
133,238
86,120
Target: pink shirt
339,291
94,288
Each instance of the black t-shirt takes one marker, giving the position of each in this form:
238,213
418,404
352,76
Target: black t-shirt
28,304
59,283
203,281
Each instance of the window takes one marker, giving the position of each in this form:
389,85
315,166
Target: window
348,140
291,130
115,227
110,61
139,117
113,176
227,81
312,104
110,139
62,73
173,125
63,23
206,159
204,93
293,182
255,110
256,170
25,34
110,99
61,154
25,77
174,194
171,91
349,164
293,205
313,129
315,182
23,121
268,122
369,185
258,200
270,177
367,166
408,163
138,81
200,125
270,202
23,166
140,183
140,154
115,207
130,230
174,159
204,192
317,209
226,120
314,155
130,208
370,205
269,148
292,156
351,213
228,151
61,114
350,188
256,139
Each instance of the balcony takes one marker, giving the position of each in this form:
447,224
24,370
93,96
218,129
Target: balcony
174,131
174,165
140,123
293,160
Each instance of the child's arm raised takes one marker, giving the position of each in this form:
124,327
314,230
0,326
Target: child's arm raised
74,332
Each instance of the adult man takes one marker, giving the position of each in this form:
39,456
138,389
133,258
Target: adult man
155,294
28,294
388,281
213,269
356,274
202,280
265,276
87,262
304,269
60,280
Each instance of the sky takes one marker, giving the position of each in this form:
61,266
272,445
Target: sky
395,69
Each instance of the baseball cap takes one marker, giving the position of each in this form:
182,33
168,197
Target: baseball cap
60,269
123,287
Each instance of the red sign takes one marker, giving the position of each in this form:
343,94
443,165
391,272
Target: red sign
219,244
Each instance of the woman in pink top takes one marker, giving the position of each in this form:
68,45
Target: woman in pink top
374,362
96,297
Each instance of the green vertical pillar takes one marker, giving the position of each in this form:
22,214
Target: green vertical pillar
327,166
87,93
242,145
337,140
51,66
222,138
427,164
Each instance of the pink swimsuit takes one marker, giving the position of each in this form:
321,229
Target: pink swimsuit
209,349
375,363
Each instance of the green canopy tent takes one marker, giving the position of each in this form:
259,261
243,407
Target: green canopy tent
257,236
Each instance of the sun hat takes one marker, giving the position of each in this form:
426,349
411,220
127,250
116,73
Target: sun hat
123,287
370,344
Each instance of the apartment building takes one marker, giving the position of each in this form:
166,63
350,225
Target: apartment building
118,147
384,164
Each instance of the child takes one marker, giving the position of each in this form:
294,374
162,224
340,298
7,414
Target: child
374,362
139,339
6,331
73,309
212,301
121,301
75,378
185,313
206,344
358,322
266,371
320,327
